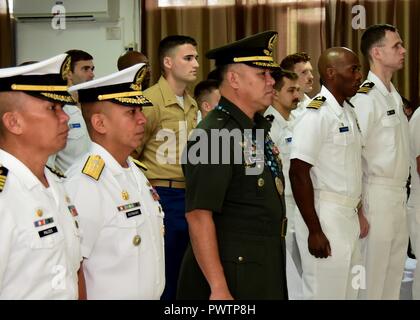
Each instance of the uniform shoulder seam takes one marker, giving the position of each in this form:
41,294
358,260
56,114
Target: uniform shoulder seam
219,118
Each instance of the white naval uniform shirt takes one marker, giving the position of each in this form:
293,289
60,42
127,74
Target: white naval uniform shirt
301,107
414,126
281,133
78,141
199,116
116,268
385,134
39,241
329,139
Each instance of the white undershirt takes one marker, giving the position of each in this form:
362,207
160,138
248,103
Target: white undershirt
180,101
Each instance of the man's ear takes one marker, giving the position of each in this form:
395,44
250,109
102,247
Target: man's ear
167,62
375,52
13,122
69,78
276,95
206,106
98,123
330,72
232,78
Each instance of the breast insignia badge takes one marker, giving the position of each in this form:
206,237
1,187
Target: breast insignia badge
279,185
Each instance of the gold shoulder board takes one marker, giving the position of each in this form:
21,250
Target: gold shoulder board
365,87
139,164
94,167
3,175
316,102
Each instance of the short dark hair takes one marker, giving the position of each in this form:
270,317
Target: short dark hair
77,55
278,76
130,58
220,72
372,36
170,42
215,75
288,63
204,88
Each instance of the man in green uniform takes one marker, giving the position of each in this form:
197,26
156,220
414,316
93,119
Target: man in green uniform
235,209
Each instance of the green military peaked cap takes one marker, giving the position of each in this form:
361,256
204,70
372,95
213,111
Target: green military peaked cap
255,50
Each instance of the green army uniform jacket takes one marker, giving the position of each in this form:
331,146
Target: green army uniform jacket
248,212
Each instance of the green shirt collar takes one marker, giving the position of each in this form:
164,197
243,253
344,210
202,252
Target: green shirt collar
259,122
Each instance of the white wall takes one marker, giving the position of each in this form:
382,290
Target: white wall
38,40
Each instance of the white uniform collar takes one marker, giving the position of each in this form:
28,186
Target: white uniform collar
332,102
306,99
71,108
110,161
303,103
15,166
278,117
379,84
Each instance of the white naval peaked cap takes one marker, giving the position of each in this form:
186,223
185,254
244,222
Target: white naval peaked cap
44,79
122,87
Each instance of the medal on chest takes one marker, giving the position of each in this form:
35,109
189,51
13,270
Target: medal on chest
39,213
272,158
252,152
279,185
125,195
154,194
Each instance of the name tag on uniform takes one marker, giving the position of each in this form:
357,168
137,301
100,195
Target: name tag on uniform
288,140
390,112
133,213
344,129
47,232
74,125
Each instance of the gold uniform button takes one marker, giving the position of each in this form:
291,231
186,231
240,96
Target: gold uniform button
240,259
260,182
136,240
39,213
